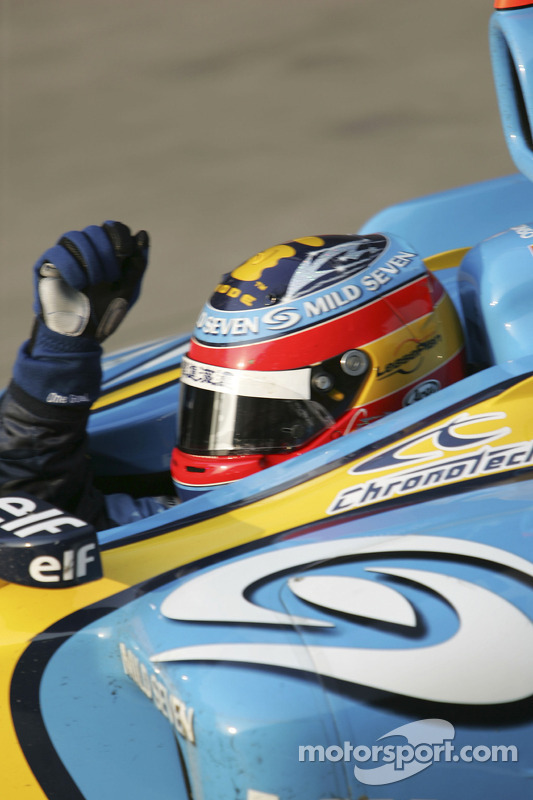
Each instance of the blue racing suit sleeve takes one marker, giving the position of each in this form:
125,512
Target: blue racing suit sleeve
43,441
43,452
84,286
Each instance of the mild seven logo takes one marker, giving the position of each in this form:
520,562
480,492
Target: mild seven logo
437,457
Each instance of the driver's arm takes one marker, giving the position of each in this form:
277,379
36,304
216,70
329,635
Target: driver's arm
84,286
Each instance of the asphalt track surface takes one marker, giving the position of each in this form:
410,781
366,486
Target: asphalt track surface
227,126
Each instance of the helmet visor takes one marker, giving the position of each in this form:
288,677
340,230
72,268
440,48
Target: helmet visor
216,423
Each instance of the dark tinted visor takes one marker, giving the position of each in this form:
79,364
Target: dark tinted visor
217,423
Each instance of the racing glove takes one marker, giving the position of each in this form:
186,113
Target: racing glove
83,288
85,285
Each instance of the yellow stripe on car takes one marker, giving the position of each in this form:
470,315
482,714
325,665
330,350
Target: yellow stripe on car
137,389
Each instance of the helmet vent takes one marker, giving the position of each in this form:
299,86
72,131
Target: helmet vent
354,362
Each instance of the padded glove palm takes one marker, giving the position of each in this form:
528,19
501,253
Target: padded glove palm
87,282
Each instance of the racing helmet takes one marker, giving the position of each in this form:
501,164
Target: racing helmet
303,343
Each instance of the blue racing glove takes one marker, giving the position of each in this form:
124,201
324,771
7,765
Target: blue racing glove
88,281
83,288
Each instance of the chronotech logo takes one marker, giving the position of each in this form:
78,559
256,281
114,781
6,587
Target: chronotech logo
442,455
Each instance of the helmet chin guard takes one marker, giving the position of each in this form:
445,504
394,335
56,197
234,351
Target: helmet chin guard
303,343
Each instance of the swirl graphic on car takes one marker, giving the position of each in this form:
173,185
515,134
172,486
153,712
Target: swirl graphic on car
456,670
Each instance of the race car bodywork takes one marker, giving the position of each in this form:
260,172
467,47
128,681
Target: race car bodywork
354,622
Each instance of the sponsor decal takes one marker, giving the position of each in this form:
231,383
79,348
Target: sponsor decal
331,265
299,312
232,291
411,360
383,274
72,566
67,399
280,384
169,704
22,520
420,391
452,456
226,326
453,670
195,373
523,231
278,319
332,301
42,546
